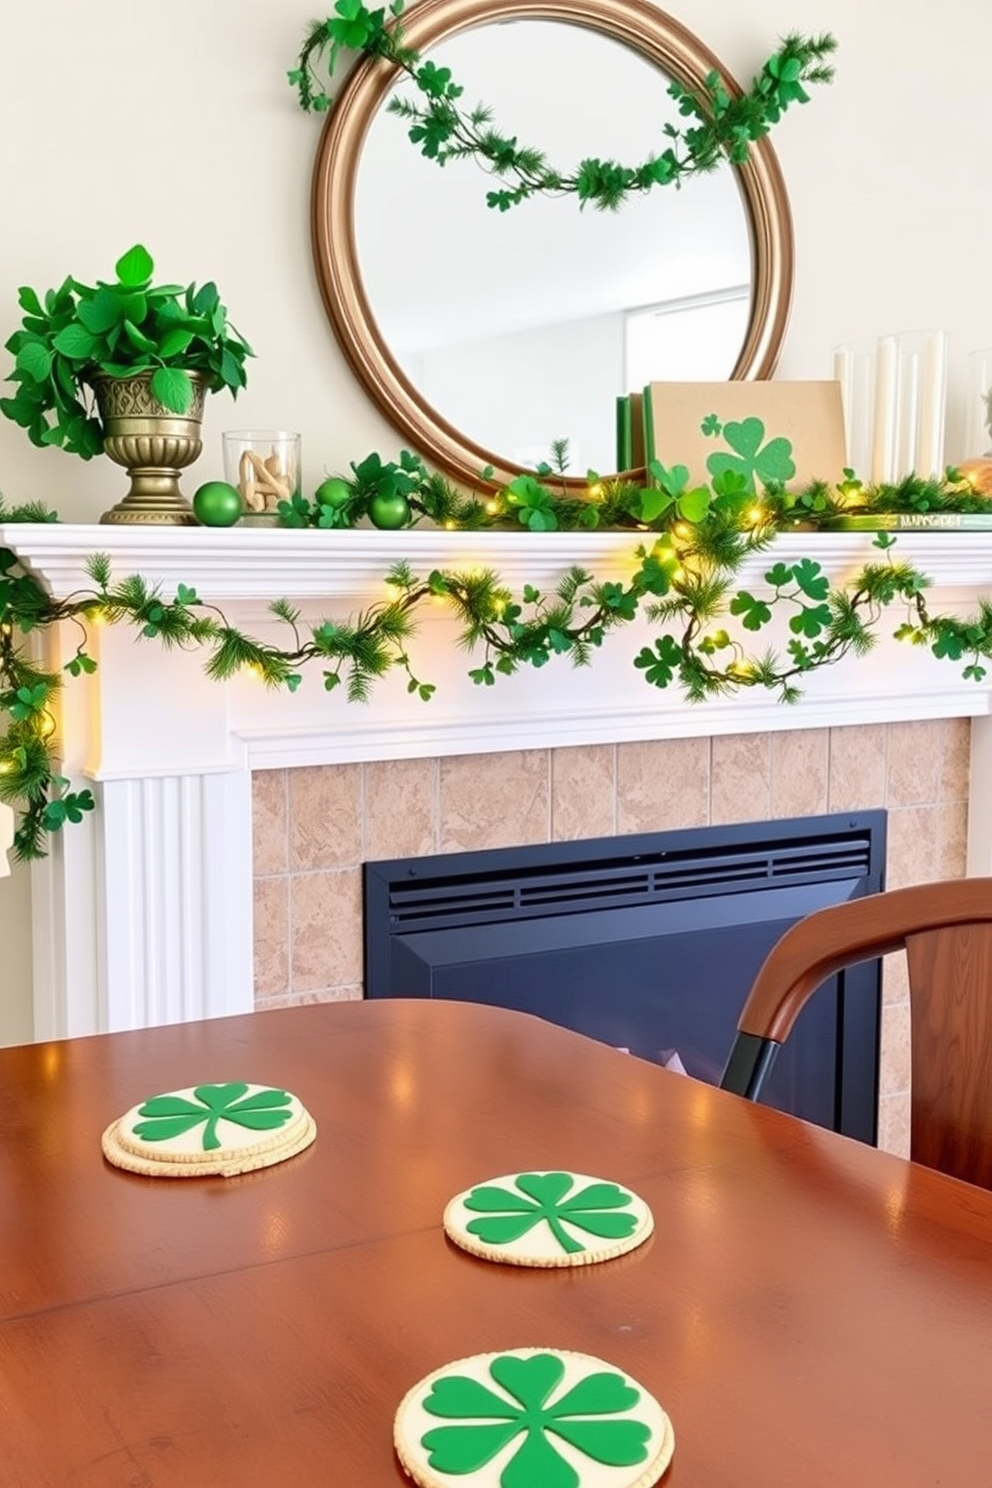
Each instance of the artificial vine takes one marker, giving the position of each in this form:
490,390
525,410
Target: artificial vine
691,543
721,126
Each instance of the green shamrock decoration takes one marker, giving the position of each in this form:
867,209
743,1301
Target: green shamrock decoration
538,1198
771,464
172,1115
496,1419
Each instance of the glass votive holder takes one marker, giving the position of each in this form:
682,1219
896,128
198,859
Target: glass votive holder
264,464
978,414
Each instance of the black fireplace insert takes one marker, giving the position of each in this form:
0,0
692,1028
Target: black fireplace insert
648,942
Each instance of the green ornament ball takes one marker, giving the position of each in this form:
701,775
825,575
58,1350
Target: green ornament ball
217,504
333,492
389,512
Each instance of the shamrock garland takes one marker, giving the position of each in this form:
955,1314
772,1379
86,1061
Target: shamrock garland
721,125
591,1417
691,541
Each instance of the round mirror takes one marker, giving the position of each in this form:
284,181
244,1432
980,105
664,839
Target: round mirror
485,335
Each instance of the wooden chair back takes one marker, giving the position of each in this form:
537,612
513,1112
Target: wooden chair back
946,930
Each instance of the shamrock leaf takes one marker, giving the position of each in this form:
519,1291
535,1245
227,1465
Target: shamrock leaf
523,1402
811,579
172,1115
810,621
754,612
541,1198
659,665
769,464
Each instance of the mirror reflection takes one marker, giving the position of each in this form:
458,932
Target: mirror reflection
523,327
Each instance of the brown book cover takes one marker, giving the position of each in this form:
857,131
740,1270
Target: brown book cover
711,426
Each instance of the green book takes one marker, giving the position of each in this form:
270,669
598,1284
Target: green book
624,431
912,522
630,431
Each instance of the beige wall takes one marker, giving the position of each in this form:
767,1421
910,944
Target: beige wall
123,120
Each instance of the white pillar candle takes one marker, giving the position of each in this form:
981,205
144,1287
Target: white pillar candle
844,374
933,392
907,413
884,421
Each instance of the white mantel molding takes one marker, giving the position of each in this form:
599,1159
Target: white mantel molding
143,913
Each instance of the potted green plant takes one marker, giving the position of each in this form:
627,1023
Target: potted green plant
122,368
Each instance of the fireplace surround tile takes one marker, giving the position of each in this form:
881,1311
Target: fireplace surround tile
325,815
663,785
742,778
326,929
494,800
271,906
270,818
857,767
583,792
400,808
799,773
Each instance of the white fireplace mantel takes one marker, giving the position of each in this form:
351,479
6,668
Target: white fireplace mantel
143,913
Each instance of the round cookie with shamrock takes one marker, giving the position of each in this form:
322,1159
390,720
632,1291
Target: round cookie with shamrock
548,1219
209,1129
532,1418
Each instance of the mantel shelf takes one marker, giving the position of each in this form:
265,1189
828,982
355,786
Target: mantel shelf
236,563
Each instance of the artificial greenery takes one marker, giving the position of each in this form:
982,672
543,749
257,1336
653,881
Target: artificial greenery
118,328
689,543
719,126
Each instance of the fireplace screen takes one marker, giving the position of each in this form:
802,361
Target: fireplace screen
648,943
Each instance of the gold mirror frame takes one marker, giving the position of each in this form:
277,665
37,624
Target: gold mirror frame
638,25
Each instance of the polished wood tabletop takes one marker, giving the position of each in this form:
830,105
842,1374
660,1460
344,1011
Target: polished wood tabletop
810,1312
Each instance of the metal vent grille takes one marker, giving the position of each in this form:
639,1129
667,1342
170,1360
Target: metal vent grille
429,899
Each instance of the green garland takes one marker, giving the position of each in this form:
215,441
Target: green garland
691,544
722,126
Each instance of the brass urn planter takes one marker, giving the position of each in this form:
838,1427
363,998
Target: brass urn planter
153,444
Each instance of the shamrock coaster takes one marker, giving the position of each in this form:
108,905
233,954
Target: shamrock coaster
209,1129
533,1418
547,1219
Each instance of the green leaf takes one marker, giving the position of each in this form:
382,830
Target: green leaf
173,389
76,342
34,359
135,267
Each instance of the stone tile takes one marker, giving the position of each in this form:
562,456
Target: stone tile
913,849
894,1124
895,977
952,839
741,785
494,800
663,784
799,770
271,937
400,808
583,792
857,768
325,815
894,1069
954,761
914,752
302,999
269,821
326,910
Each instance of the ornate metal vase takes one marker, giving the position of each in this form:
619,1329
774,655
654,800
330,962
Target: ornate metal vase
153,444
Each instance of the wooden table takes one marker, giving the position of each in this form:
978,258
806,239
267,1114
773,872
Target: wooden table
809,1311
